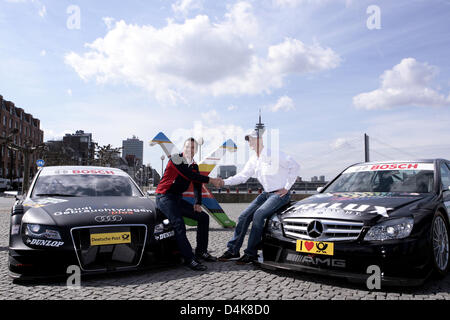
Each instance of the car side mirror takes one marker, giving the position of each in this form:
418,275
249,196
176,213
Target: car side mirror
319,189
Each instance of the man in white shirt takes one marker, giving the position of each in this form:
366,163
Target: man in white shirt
277,173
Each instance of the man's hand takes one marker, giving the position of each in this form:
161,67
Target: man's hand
217,182
282,192
197,208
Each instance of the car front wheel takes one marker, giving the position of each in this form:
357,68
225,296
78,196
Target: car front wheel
440,244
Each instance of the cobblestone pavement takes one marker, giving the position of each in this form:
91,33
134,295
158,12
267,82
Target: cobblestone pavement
221,281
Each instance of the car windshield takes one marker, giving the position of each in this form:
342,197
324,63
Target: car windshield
378,178
85,185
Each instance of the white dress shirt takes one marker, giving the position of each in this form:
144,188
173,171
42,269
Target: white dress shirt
272,171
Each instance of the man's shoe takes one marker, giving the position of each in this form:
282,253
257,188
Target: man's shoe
229,256
247,259
205,257
196,266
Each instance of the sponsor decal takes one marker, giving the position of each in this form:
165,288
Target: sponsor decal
82,171
316,247
112,211
98,239
15,228
391,166
165,235
335,208
45,243
43,202
316,261
158,228
368,195
108,219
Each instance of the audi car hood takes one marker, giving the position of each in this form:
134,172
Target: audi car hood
357,206
85,211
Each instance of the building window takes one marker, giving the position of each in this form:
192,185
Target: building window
4,121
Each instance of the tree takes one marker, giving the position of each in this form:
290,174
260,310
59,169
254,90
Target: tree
106,156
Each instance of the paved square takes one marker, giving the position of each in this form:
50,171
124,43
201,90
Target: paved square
223,280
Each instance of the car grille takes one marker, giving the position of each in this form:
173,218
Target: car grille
109,257
333,230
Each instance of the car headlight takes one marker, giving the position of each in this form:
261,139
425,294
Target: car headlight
390,230
41,232
274,224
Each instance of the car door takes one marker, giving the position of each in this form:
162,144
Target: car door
445,184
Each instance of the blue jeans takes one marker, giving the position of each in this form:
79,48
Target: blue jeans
175,208
259,209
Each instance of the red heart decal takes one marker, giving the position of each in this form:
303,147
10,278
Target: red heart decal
309,245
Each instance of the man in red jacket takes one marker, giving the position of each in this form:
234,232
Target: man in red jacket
180,171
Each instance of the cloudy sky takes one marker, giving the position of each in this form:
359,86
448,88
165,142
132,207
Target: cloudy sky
323,73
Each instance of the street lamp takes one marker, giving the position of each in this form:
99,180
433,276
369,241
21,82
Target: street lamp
200,143
162,165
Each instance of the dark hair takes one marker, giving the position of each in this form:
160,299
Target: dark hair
191,139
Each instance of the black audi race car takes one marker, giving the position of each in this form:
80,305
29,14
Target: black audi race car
392,215
93,217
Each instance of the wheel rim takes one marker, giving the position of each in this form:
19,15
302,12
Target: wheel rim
440,243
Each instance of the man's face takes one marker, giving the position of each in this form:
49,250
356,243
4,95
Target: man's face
189,149
253,143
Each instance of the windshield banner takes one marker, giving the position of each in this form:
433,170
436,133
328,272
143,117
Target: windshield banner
391,166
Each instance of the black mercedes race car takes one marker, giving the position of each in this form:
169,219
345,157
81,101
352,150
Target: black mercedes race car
93,217
391,215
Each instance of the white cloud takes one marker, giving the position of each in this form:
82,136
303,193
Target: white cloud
296,3
210,116
42,11
69,92
341,143
184,6
231,108
406,84
108,22
284,103
198,57
43,53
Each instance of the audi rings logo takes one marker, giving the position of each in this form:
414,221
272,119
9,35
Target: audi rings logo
108,218
315,229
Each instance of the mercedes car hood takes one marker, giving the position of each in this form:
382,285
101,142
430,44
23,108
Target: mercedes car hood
357,206
82,211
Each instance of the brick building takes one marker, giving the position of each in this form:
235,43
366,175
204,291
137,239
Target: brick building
12,117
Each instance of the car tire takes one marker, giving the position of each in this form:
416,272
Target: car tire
440,237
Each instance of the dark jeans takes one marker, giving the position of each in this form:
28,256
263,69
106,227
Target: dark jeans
257,212
175,208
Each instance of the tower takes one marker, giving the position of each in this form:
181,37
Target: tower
259,128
